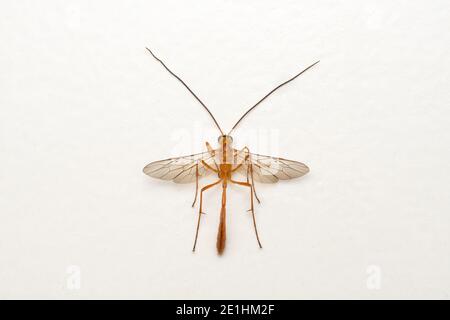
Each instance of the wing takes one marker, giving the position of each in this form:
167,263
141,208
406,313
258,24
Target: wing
268,169
181,169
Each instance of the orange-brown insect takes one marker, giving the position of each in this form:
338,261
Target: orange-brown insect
224,162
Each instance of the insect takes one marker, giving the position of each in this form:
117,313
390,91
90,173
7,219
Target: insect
224,162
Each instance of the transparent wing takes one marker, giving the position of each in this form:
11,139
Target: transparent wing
268,169
181,169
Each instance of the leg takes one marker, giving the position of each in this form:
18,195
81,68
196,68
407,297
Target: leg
247,161
196,184
212,152
209,167
244,161
248,172
246,184
237,167
200,209
197,176
253,182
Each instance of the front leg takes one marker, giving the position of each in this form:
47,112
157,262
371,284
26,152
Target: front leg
239,165
207,166
196,184
212,152
247,161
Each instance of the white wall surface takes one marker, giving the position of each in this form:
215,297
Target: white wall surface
83,107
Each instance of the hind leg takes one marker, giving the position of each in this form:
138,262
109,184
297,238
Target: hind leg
246,184
200,210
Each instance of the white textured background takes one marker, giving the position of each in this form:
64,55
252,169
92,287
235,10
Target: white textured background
83,107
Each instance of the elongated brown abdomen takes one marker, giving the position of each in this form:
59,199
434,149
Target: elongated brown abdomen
221,234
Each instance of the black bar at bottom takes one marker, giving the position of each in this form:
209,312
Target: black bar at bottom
226,309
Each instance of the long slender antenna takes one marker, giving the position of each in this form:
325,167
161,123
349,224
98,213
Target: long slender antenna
273,90
187,87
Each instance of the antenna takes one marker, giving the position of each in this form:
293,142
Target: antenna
273,90
187,87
